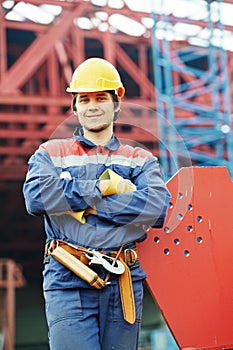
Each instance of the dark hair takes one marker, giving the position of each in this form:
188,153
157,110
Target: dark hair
115,100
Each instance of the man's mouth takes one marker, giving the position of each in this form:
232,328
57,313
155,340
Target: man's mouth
94,116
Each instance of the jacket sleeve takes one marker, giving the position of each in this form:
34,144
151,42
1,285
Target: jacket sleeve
46,191
147,205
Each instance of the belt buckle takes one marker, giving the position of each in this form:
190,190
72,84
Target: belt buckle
133,258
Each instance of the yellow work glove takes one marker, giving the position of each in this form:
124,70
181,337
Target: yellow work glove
78,215
117,184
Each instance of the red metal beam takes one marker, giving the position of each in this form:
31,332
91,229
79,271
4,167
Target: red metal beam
10,278
38,78
136,72
32,58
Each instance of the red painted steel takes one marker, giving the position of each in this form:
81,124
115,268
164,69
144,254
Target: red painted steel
11,277
35,73
189,262
33,100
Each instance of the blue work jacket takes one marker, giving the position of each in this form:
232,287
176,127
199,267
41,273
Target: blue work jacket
63,176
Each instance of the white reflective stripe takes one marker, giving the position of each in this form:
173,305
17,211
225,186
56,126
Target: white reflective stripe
125,161
73,160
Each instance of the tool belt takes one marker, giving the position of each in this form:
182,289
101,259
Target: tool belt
78,259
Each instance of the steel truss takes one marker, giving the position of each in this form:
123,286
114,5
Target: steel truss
192,87
33,100
193,97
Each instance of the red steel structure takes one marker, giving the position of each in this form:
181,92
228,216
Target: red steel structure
36,64
10,278
189,261
33,78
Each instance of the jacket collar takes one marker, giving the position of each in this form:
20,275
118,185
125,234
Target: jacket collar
112,145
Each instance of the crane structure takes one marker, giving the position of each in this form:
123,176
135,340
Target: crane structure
193,90
192,96
36,66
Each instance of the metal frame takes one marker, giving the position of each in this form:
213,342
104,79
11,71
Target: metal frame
193,99
189,262
33,100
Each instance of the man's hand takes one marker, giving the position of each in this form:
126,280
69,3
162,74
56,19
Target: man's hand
112,183
77,215
103,185
124,186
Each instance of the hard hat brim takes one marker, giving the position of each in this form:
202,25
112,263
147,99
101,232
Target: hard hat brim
120,91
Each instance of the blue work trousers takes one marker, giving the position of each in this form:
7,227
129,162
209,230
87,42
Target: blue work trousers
91,319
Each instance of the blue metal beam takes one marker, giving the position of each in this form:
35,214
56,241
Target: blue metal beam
202,88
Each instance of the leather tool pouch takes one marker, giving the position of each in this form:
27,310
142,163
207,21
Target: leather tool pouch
127,295
76,266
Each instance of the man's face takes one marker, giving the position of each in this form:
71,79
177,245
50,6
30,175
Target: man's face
95,110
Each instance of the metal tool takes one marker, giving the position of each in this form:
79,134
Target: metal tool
108,262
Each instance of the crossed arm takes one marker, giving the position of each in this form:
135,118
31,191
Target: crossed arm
46,192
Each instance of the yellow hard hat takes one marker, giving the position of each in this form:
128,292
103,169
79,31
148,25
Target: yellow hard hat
96,74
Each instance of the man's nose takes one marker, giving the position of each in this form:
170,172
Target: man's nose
92,105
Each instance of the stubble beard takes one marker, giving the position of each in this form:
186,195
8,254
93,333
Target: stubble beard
98,128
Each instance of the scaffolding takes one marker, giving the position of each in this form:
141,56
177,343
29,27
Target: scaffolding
11,277
192,89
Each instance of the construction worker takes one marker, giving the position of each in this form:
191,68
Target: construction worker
96,195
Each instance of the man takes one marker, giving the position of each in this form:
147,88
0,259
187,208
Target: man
95,195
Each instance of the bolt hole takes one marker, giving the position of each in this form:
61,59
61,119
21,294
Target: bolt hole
146,228
166,251
199,240
166,229
186,253
190,207
199,218
180,216
189,228
176,241
170,205
180,195
156,239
